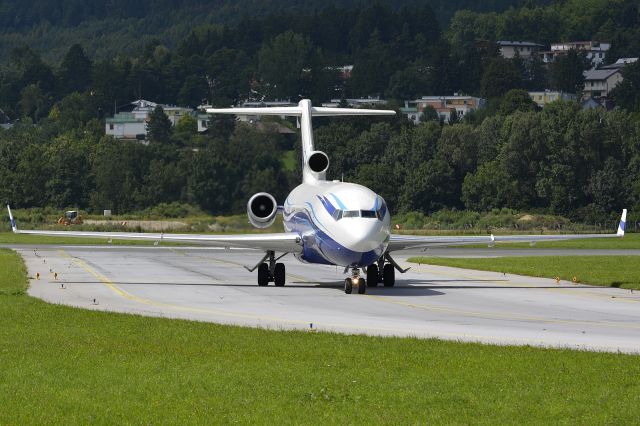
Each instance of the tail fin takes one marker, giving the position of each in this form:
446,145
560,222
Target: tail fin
14,228
305,111
623,220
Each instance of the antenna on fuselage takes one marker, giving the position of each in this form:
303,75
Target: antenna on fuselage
315,162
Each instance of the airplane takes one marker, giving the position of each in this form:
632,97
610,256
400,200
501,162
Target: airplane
326,222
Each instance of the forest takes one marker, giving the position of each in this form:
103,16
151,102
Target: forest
561,160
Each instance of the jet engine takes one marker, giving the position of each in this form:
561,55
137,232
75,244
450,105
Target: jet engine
262,209
318,162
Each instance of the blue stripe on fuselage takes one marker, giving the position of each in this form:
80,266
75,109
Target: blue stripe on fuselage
319,247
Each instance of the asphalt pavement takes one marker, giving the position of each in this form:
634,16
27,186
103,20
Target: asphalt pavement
207,284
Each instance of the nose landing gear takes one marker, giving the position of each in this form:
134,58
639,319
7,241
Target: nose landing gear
355,280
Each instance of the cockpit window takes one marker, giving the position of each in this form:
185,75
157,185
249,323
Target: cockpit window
340,214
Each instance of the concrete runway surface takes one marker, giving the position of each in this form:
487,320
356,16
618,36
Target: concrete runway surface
206,284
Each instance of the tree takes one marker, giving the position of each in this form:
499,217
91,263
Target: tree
159,127
34,103
281,64
516,100
627,93
75,71
567,72
500,76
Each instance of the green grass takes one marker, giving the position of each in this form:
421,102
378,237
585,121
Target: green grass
61,365
609,271
629,241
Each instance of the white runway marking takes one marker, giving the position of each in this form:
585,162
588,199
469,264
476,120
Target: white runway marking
428,301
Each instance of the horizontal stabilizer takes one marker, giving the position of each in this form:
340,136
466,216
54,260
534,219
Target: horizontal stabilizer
296,111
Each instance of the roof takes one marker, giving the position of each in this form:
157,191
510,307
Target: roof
620,63
601,74
517,43
124,117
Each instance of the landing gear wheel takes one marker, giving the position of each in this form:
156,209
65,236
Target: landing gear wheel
263,275
348,286
279,275
372,275
362,286
389,275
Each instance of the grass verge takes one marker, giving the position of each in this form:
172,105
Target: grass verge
66,365
629,241
609,271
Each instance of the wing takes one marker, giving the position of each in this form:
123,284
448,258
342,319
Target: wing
403,242
289,242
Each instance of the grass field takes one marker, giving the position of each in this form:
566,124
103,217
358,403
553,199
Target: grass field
629,241
65,365
609,271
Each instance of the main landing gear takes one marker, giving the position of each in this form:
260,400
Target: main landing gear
271,270
382,272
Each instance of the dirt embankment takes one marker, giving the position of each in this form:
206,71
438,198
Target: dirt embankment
145,225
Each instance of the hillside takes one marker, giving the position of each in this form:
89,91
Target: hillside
106,29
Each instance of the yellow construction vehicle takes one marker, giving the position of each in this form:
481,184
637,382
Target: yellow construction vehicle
71,218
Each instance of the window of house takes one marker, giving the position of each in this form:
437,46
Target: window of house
110,126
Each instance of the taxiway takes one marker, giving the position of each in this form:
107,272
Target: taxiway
206,284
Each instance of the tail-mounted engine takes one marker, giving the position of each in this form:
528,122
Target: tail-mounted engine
262,209
317,164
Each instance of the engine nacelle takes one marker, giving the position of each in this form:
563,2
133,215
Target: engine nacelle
262,209
318,162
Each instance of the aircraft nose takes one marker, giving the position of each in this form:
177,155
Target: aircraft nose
365,234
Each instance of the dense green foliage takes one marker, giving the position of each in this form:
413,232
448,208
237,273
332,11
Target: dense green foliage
67,365
582,164
608,271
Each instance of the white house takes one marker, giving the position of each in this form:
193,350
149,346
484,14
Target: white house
125,125
444,106
595,50
524,49
599,83
133,125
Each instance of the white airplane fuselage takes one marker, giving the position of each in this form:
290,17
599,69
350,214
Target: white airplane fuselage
343,224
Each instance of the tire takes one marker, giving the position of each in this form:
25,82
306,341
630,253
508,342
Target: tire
389,275
348,286
263,275
279,276
362,286
372,275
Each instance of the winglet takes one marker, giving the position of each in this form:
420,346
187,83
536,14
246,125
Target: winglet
623,220
14,228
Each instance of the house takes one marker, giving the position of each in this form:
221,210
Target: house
204,122
133,124
125,125
599,83
356,102
175,113
595,50
523,49
445,106
548,96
